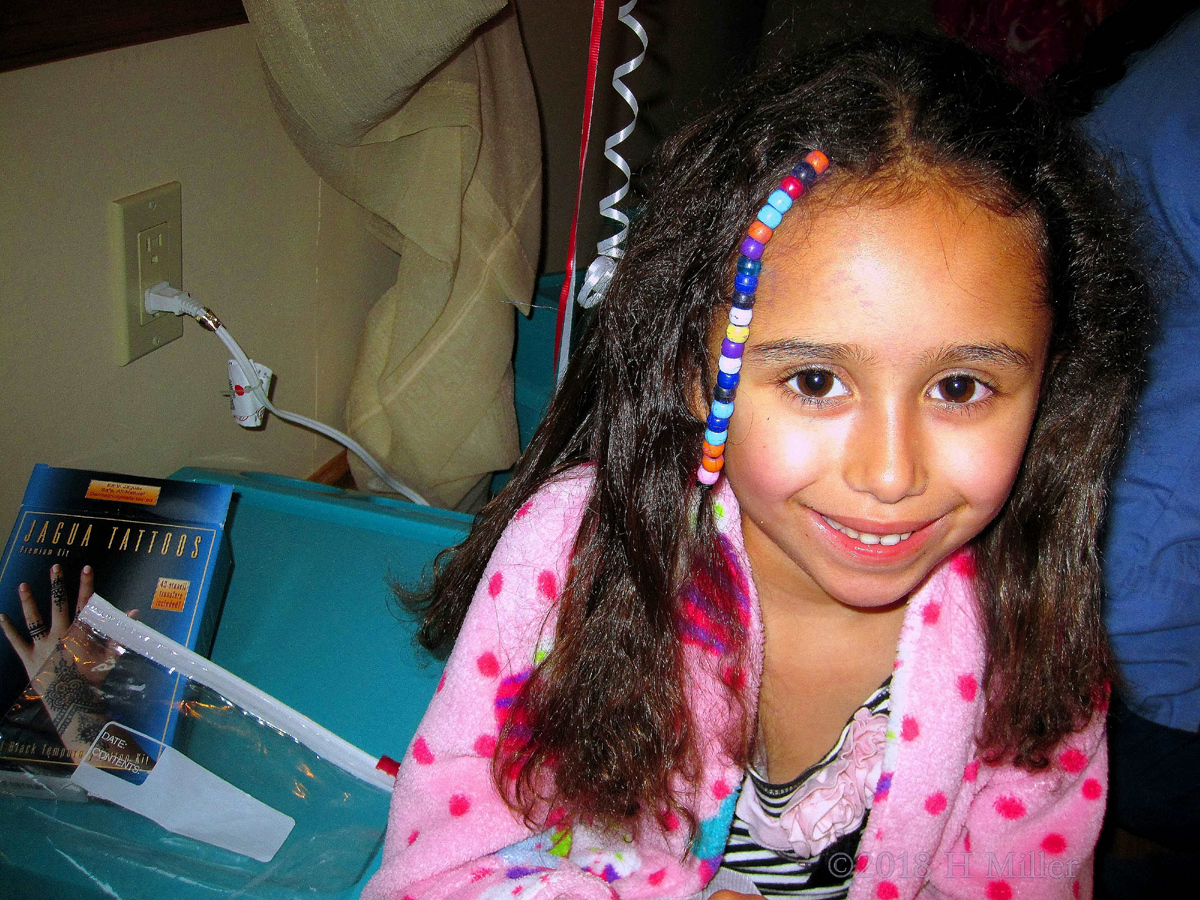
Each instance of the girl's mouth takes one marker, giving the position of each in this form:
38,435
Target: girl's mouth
887,540
879,544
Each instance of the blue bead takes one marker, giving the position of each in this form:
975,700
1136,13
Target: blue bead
805,174
723,394
728,380
722,409
716,423
716,438
745,284
780,200
743,300
749,266
770,216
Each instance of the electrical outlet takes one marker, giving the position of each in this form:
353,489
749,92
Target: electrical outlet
146,231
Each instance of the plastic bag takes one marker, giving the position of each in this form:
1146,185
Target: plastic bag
245,796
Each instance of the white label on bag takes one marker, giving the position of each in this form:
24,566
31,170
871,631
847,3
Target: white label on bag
179,794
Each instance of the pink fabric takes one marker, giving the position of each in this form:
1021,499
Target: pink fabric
941,821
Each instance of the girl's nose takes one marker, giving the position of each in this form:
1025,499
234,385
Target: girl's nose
884,456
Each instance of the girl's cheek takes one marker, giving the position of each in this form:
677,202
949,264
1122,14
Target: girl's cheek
984,466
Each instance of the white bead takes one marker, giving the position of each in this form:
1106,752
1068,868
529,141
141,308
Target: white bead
740,316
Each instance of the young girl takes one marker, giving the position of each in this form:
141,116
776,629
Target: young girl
808,604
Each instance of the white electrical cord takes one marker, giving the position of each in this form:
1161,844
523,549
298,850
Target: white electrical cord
164,298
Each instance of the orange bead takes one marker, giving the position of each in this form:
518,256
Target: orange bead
759,232
818,160
712,465
713,451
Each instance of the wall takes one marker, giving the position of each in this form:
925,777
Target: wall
283,259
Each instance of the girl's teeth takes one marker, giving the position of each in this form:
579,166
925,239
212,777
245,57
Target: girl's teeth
887,540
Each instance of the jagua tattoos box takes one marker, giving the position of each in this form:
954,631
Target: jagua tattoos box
155,545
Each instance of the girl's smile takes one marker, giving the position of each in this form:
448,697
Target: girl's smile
887,391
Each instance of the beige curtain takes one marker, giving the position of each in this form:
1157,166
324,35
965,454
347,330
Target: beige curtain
423,113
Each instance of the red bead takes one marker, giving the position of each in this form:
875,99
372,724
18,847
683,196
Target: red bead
792,187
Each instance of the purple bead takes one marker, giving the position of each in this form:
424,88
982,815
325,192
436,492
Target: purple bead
751,249
732,350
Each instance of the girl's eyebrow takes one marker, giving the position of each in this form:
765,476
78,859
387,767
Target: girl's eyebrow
793,349
789,349
1000,353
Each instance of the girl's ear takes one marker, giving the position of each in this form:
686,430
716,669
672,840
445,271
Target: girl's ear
698,402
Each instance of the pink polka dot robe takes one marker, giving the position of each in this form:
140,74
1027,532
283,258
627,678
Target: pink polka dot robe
943,824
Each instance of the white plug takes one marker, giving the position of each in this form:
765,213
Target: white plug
164,298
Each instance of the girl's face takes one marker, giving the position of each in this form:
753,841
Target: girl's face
888,388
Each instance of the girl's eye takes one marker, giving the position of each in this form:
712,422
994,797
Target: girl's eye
818,384
960,389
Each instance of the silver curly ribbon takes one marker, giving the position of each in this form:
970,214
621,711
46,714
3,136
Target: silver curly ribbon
609,250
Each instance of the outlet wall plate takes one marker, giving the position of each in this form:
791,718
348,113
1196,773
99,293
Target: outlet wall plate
146,234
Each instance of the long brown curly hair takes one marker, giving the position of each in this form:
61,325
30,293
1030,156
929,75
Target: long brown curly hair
606,733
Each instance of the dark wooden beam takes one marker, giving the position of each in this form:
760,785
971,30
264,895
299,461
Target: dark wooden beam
39,31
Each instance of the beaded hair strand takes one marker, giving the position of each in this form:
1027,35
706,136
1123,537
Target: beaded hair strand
741,309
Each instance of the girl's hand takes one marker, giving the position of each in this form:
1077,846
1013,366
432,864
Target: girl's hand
44,637
734,895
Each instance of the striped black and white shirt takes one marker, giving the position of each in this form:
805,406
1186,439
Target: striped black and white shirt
779,873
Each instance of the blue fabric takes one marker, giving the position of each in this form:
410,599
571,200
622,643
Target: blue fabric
1150,124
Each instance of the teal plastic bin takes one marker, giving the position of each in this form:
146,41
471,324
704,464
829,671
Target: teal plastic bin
310,618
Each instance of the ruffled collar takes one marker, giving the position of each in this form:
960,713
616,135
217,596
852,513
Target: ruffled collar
831,802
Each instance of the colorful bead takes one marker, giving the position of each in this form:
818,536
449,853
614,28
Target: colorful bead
740,316
723,410
780,200
732,349
730,365
751,248
744,283
759,231
741,311
770,216
805,174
